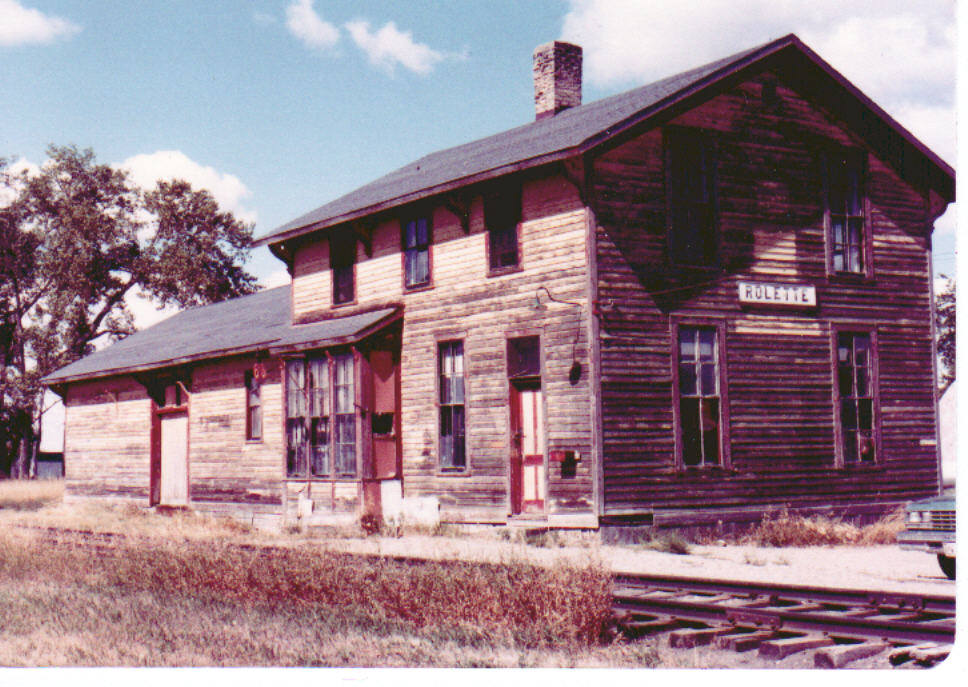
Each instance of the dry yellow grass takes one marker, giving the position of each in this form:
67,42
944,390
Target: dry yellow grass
784,529
18,494
168,602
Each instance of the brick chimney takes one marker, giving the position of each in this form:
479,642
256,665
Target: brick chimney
557,78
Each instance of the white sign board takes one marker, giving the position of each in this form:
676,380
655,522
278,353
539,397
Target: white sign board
794,295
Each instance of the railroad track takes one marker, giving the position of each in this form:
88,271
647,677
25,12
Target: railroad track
779,620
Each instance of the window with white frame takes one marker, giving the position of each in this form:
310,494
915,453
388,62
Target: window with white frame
699,397
321,417
453,447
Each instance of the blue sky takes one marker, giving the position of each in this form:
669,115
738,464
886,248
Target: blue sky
280,106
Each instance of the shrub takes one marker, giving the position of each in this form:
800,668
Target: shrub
784,529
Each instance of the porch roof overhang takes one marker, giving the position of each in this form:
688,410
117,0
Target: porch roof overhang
251,324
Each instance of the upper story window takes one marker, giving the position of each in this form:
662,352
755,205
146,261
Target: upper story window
699,397
846,221
856,389
691,198
416,252
453,445
342,256
253,406
502,213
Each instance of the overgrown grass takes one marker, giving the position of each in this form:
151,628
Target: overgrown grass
22,494
784,529
513,605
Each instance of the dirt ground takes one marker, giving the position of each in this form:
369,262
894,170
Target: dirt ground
883,568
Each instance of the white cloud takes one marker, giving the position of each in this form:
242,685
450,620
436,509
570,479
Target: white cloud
15,169
388,46
146,311
276,278
227,189
305,24
21,25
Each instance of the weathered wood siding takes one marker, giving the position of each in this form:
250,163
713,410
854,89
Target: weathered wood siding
465,303
107,442
227,473
778,362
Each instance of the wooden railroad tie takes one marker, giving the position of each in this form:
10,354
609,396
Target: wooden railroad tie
781,648
842,654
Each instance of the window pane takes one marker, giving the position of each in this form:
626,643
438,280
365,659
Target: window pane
422,233
850,446
295,381
295,440
708,379
691,440
422,267
687,343
707,342
687,379
865,445
255,422
848,414
845,378
710,431
837,225
410,235
865,414
854,199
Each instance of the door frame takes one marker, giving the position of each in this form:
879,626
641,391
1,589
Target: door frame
154,470
516,458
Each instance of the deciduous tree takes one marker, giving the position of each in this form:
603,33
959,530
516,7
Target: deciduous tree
944,309
76,240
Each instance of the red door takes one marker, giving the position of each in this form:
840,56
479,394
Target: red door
527,449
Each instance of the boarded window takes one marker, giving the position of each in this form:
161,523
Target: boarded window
343,260
253,407
699,397
416,252
453,453
502,213
855,385
845,208
691,199
524,357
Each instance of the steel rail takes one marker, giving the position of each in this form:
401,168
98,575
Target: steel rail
847,613
927,602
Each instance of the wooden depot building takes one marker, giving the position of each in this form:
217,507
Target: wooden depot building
693,301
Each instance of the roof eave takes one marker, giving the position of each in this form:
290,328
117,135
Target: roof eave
54,379
640,118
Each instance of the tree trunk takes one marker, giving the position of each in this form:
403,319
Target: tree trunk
25,451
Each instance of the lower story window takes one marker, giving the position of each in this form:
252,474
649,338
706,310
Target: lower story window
320,417
855,386
453,446
699,398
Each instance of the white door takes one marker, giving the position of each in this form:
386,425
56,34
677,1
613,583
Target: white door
174,460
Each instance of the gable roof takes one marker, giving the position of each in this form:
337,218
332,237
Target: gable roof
580,129
241,325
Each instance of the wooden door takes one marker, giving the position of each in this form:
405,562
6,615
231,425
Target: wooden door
527,449
174,460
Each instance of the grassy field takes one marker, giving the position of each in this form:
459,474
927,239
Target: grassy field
183,589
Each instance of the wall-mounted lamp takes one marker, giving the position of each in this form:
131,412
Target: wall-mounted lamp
574,374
